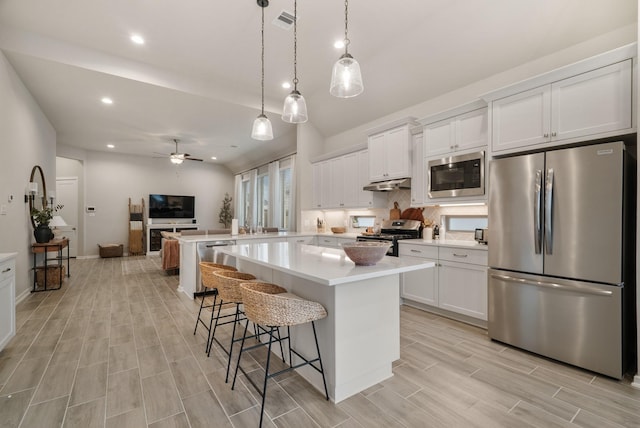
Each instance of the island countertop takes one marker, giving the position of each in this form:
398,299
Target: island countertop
327,266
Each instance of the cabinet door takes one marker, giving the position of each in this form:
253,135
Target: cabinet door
471,130
591,103
336,183
317,185
439,138
462,288
327,241
418,172
7,302
398,147
325,190
350,180
420,285
308,240
377,155
365,198
522,119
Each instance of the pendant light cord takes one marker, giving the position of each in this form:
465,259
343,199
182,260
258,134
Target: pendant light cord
346,25
295,45
262,70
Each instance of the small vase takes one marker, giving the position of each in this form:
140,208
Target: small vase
43,234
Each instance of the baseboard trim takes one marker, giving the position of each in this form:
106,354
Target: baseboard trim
636,381
23,295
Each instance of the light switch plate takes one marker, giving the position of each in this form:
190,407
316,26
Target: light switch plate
3,209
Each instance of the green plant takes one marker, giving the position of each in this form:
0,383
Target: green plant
44,216
226,212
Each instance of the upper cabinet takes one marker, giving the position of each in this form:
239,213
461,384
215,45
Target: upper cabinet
588,100
390,151
338,183
418,172
457,133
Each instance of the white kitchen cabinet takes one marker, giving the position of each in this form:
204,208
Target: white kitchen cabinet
389,154
338,183
327,241
421,285
589,104
7,300
458,133
462,288
418,172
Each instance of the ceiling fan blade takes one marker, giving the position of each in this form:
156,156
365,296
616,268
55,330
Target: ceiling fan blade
161,154
193,159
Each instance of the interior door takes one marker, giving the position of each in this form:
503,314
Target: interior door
515,198
67,195
585,216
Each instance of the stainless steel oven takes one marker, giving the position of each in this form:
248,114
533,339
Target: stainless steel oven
393,231
460,175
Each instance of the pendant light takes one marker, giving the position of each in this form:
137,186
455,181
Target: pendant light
295,107
346,79
262,129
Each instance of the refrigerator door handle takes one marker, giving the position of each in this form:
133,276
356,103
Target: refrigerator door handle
548,219
537,212
583,289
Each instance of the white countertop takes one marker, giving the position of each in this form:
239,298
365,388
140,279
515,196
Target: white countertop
242,237
327,266
446,243
7,256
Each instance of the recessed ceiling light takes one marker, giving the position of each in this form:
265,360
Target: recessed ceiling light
339,44
286,85
107,100
213,158
137,39
111,146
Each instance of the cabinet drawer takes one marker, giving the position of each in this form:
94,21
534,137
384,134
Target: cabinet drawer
327,241
7,269
422,251
464,255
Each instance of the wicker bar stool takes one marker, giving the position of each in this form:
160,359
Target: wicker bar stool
271,307
209,285
228,283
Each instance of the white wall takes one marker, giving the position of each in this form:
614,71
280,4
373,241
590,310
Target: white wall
310,145
111,179
26,139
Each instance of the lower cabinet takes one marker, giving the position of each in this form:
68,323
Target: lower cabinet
332,241
453,285
308,240
7,301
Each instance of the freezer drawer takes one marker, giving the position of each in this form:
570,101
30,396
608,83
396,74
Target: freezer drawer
576,322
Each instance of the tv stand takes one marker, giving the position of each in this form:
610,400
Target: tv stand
154,238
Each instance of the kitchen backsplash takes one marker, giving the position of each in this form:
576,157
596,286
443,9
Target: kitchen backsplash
403,197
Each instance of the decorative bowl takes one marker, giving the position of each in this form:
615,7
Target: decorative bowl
338,229
366,253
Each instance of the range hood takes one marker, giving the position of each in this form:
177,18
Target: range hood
389,185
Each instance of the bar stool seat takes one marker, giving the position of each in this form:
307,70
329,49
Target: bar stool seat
209,295
228,283
271,307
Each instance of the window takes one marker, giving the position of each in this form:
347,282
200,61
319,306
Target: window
266,195
465,223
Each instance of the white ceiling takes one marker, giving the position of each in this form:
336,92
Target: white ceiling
197,78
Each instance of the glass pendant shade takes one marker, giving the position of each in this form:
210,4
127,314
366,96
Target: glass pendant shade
262,129
295,108
346,79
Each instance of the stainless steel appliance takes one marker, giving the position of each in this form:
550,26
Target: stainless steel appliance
561,255
481,236
460,175
393,231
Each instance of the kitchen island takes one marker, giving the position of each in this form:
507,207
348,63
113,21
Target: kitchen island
360,338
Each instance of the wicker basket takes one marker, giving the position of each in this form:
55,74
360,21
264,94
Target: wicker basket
270,305
111,250
206,273
229,284
53,275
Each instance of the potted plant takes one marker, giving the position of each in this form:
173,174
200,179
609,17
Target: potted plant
42,217
226,213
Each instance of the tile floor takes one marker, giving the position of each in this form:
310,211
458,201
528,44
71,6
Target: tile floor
115,348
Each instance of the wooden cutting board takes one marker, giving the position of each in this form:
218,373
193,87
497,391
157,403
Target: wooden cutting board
413,214
394,213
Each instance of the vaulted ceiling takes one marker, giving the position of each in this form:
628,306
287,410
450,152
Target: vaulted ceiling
197,77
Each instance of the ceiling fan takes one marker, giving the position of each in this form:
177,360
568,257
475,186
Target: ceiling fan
177,157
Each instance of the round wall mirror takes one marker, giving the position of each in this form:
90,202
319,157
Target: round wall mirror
39,199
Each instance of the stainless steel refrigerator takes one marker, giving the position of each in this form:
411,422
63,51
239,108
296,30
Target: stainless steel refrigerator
561,255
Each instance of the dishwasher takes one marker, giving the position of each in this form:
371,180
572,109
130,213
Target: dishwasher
208,252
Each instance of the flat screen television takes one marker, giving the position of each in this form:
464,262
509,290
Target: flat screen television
170,206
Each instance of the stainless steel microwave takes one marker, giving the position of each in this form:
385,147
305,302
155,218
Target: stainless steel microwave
454,176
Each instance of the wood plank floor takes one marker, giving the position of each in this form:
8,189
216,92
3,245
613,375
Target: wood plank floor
115,348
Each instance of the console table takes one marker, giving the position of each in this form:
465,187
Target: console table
57,246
